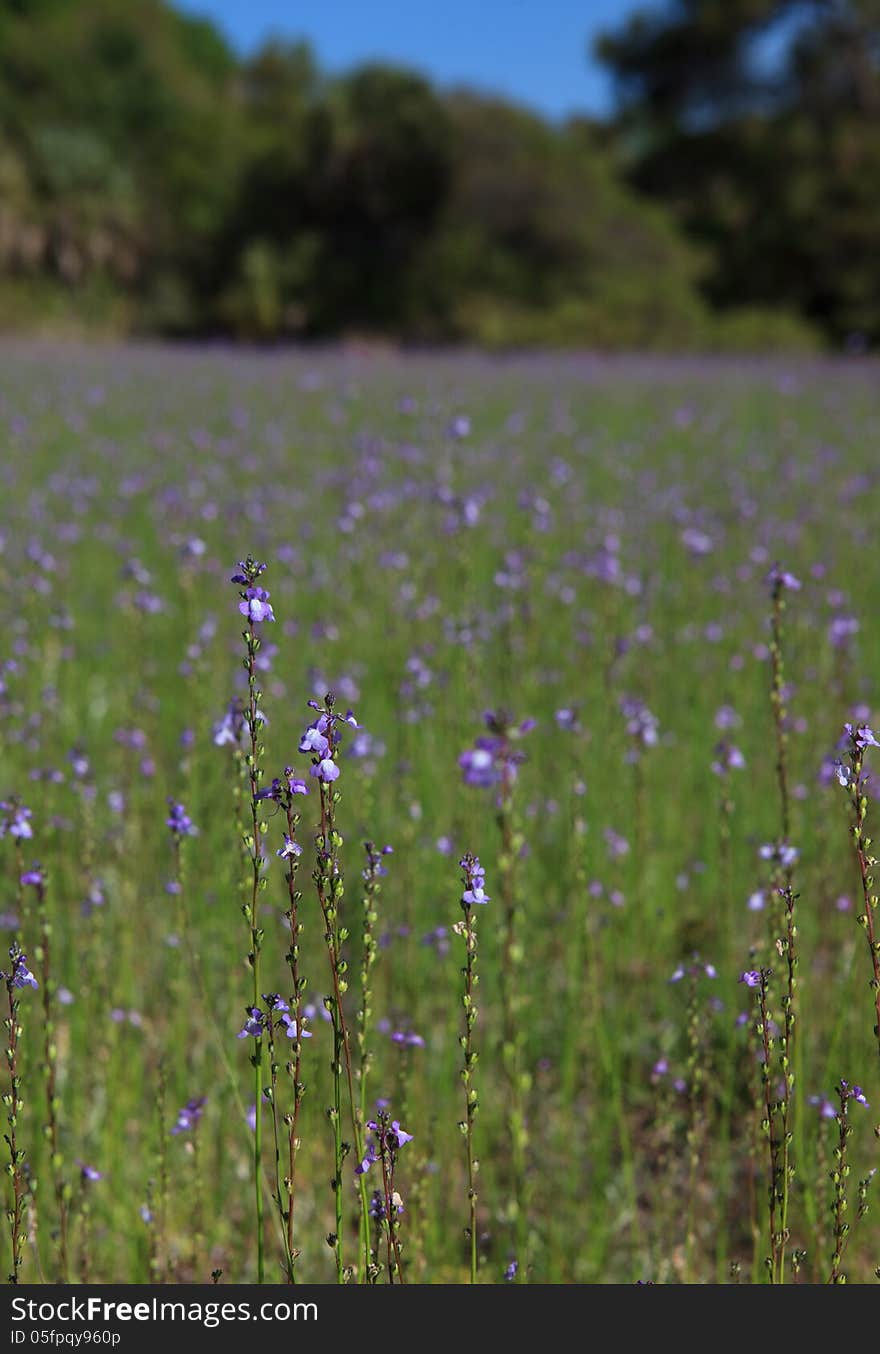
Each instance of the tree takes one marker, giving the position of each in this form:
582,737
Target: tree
758,122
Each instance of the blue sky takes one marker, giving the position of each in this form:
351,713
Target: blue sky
533,50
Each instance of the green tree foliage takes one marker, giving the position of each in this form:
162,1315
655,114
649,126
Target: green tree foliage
151,179
758,122
540,242
119,113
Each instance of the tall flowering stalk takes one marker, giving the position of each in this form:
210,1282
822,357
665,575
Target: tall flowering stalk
372,875
386,1206
160,1252
473,894
781,581
787,947
642,729
321,741
18,977
696,1076
853,777
274,1022
289,790
493,762
839,1178
256,609
726,758
773,1123
186,1125
180,826
35,877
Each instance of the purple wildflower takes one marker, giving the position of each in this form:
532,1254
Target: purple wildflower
853,1093
189,1116
478,765
861,736
255,605
401,1137
291,1029
249,571
493,759
824,1106
315,740
370,1156
727,758
16,820
255,1025
780,578
229,729
474,882
179,821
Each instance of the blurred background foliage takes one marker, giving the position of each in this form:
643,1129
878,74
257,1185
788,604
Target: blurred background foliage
153,181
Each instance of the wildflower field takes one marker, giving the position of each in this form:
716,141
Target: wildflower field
436,816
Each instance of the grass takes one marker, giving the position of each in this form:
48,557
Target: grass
602,532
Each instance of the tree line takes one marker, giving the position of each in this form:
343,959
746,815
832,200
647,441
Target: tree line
154,181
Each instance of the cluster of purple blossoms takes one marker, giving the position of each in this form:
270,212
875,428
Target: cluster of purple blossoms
288,784
16,820
727,758
474,880
19,975
780,578
861,737
841,630
391,1136
493,760
641,725
855,739
254,602
856,1093
321,738
823,1105
258,1022
780,853
374,869
693,970
35,876
79,763
179,821
407,1039
660,1071
377,1205
189,1116
229,730
618,846
697,542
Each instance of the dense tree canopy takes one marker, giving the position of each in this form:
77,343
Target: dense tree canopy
151,180
758,122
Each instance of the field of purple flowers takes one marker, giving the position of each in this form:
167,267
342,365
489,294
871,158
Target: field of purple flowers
436,816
